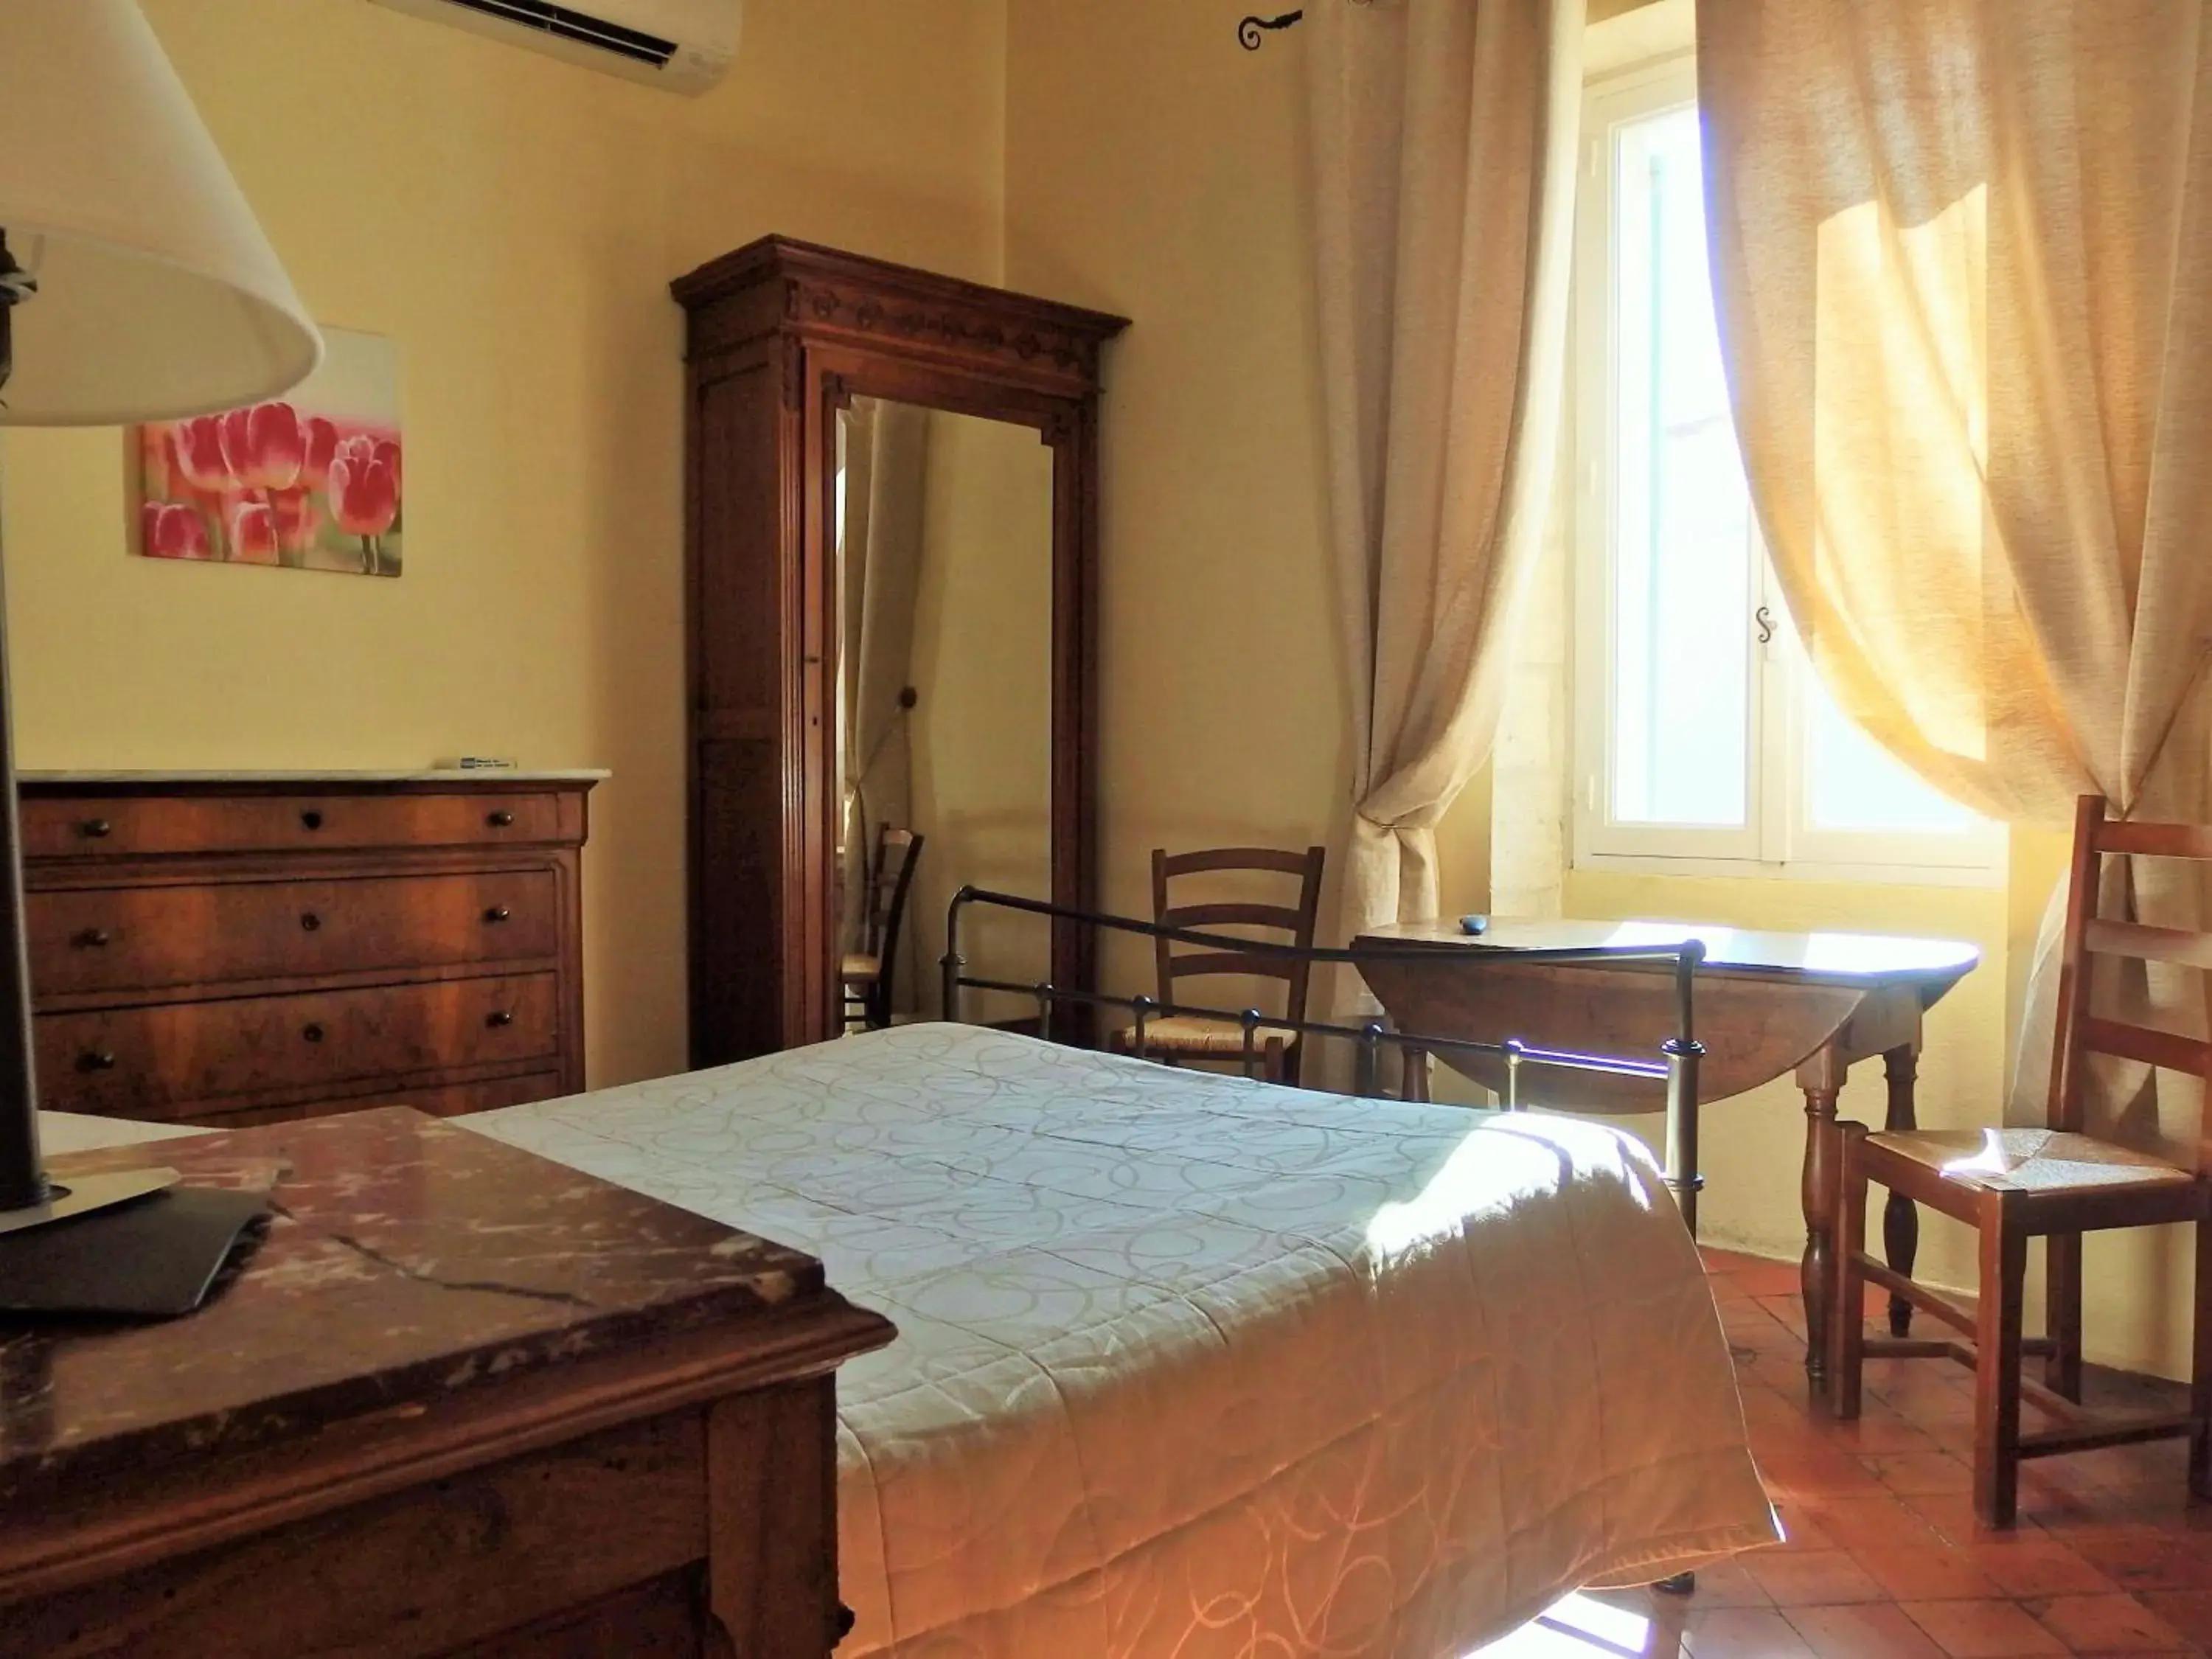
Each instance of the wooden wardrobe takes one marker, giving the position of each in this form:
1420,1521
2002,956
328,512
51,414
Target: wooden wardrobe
783,337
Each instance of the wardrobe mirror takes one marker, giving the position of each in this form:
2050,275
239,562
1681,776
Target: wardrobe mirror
944,539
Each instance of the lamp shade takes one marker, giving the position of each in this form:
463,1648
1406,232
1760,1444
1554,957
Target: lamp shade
158,295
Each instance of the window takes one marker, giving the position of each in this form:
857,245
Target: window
1703,738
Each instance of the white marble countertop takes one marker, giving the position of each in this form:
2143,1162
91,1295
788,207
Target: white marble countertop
74,1132
418,774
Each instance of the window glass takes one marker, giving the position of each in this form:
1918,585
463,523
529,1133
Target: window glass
1682,538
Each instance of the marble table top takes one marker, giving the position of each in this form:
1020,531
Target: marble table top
1845,957
402,775
404,1259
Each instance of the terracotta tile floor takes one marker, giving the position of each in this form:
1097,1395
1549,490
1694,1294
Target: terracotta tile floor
1884,1556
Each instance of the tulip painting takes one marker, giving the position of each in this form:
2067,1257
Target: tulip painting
310,481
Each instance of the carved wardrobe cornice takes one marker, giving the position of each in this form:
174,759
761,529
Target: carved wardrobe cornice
825,294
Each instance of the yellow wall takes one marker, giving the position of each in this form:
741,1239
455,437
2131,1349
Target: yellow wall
513,222
1151,170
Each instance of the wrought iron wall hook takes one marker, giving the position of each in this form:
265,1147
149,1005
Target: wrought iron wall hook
1251,31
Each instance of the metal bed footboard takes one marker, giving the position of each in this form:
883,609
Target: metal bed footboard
1677,1067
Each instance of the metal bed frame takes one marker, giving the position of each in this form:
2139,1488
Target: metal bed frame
1677,1068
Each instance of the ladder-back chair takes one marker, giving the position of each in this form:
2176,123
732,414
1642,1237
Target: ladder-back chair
867,972
2055,1182
1181,1036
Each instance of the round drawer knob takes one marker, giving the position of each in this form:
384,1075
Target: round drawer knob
497,912
92,939
311,819
94,829
499,1016
499,820
96,1060
313,1033
310,921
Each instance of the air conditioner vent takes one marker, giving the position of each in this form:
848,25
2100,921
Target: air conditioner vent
683,47
585,30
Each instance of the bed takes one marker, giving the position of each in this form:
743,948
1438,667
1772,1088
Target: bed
1192,1366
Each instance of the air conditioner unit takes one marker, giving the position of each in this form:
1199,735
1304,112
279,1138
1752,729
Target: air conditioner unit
684,45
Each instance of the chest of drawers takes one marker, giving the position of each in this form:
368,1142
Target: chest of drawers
241,949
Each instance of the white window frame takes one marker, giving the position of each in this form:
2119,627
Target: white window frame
1777,838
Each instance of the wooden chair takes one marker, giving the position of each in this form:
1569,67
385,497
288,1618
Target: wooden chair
2016,1184
867,972
1181,1037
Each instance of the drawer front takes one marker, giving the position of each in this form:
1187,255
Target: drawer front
154,1062
143,938
438,1567
90,826
459,1099
437,1100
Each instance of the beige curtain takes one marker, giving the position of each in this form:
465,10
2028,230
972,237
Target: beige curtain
1960,250
886,460
1442,136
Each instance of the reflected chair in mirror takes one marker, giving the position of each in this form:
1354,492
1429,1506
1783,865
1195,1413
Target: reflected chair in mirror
867,972
2055,1182
1177,1037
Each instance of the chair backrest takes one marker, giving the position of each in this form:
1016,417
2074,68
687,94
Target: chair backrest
1296,921
2081,1031
898,851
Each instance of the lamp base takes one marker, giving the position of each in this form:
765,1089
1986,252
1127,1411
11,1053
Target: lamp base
88,1194
152,1251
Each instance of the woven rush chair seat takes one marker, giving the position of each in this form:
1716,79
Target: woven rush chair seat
866,975
1193,1035
2029,1160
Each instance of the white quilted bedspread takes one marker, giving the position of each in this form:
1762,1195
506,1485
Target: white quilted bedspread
1194,1366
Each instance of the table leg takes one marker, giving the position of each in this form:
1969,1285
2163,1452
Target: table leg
1817,1275
1415,1079
1900,1217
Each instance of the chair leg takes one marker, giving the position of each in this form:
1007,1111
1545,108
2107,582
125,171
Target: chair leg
1272,1064
1996,1360
2062,1370
1847,1312
2200,1385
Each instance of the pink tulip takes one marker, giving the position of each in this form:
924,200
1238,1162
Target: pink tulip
169,531
364,486
252,531
322,444
265,445
197,444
